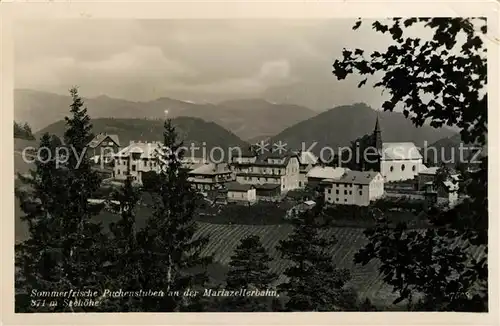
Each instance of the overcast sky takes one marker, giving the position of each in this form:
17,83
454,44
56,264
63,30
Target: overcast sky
195,60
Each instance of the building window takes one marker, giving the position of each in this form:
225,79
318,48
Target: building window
391,169
350,192
337,191
337,199
402,167
361,193
329,191
413,168
133,167
345,192
345,199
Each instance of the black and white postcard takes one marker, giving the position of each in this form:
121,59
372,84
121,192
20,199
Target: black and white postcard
285,160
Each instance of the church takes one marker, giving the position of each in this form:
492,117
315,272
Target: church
396,161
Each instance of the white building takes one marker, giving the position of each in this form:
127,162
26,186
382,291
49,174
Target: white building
273,169
400,161
354,188
241,193
135,159
396,161
319,173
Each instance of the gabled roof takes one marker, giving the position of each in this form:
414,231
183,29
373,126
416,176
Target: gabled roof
259,175
326,172
211,169
146,150
266,186
355,177
285,156
400,151
430,171
263,160
236,186
99,138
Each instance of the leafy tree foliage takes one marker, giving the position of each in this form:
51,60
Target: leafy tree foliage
441,81
453,73
249,269
170,248
314,283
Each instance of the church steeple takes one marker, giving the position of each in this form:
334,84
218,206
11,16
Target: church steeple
377,135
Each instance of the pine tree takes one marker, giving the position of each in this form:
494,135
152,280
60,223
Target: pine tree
124,253
249,269
62,233
38,258
314,283
172,256
83,242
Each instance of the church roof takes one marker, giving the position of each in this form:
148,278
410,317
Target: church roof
400,151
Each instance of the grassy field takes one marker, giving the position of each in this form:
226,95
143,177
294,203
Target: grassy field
225,238
366,280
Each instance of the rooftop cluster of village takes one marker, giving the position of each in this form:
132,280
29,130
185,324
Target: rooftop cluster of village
251,177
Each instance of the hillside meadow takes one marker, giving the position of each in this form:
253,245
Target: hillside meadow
224,239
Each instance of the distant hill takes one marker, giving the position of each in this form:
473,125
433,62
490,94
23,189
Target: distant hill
190,130
448,150
339,126
246,118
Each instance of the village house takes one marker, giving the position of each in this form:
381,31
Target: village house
103,147
319,173
210,176
354,188
137,158
445,193
189,163
425,176
241,193
307,160
268,192
274,170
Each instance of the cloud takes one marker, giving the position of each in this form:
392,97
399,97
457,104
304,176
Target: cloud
281,60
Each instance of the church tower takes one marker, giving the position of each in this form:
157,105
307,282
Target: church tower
377,137
375,161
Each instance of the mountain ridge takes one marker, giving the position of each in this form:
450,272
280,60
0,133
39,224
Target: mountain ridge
40,109
191,130
339,126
